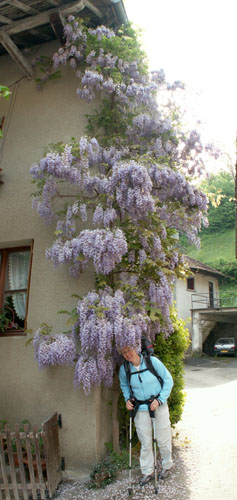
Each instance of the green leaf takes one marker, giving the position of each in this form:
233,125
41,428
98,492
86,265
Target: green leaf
80,257
4,92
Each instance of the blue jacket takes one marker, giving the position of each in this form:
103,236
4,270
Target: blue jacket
145,384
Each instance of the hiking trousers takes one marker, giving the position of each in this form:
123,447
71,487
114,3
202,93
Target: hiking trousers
143,426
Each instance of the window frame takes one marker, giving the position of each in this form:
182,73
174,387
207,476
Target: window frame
3,269
193,280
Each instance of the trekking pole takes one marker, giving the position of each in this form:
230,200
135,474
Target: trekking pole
153,420
130,452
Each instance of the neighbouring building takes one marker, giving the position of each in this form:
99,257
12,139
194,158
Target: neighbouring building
31,119
198,302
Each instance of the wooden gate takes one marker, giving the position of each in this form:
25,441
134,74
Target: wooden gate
30,462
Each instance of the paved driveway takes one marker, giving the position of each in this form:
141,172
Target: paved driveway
209,428
205,443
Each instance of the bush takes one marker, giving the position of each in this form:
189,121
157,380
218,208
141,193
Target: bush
171,352
105,471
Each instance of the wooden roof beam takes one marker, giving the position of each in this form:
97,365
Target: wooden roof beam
44,17
33,31
56,22
39,34
53,2
22,6
4,2
5,20
16,54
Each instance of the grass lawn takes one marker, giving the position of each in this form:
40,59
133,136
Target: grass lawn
214,247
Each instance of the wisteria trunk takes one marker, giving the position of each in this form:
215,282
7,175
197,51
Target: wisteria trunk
115,422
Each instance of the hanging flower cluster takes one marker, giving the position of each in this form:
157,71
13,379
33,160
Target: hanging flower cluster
106,324
131,197
57,349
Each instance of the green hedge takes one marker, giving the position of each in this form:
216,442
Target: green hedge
171,352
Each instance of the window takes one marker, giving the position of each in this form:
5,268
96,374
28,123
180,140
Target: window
190,284
15,265
211,294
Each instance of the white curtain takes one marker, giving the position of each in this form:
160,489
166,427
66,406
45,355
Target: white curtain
18,266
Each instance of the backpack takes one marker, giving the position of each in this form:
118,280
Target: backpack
147,352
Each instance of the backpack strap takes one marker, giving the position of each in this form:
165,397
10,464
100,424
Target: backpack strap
151,368
128,375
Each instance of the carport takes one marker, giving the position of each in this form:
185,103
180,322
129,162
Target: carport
205,320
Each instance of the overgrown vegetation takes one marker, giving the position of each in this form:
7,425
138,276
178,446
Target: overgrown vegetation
105,471
218,238
214,247
171,352
221,211
117,199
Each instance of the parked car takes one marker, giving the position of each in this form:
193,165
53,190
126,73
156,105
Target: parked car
225,345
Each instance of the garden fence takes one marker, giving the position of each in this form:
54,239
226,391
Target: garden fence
30,462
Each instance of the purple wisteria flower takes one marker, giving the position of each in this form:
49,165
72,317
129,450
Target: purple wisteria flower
106,248
59,166
101,31
133,185
168,184
103,324
83,212
52,350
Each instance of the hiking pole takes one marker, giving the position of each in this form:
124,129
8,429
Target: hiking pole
153,420
130,453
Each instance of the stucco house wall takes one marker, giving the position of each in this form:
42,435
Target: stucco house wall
183,296
35,119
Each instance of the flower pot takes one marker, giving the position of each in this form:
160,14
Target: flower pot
34,463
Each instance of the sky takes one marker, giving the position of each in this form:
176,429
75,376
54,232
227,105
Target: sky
195,42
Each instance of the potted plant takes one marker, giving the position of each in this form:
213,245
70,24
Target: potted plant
7,319
3,423
34,460
25,458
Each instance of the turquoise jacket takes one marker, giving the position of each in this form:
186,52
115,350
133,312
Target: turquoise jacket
145,384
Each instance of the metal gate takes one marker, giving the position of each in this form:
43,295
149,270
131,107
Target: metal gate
30,462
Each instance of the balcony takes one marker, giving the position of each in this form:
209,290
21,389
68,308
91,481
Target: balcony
222,299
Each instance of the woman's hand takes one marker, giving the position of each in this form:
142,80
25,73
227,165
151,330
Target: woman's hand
154,405
129,405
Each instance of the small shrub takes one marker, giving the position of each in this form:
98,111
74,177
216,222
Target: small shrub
105,471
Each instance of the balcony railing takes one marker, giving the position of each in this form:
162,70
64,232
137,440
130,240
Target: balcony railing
214,301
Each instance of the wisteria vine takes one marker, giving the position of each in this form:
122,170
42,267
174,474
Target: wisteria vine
131,196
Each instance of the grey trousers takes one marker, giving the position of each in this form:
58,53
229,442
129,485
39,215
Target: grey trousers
163,435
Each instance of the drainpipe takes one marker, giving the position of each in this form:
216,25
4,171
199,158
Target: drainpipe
120,11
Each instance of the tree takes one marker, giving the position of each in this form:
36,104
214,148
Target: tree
221,191
117,197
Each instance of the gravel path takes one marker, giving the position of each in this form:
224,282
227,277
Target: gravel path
204,444
174,487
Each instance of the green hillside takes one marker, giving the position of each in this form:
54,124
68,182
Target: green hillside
214,247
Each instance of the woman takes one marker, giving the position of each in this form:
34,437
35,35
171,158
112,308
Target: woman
143,386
